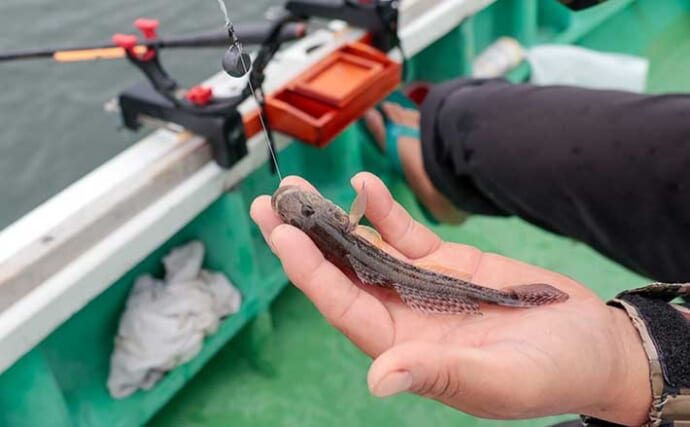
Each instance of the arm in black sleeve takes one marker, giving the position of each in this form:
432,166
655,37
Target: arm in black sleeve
605,167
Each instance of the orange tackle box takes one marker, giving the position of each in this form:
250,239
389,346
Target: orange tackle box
321,102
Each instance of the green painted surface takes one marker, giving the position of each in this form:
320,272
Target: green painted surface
29,385
286,366
78,351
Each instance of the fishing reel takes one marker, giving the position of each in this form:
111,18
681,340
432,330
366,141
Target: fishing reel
197,109
378,17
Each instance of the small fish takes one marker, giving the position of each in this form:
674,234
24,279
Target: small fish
335,233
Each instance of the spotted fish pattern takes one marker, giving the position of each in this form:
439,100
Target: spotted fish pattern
421,289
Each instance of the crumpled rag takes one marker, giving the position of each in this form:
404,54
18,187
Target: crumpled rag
165,321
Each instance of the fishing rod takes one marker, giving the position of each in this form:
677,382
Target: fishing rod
253,33
160,100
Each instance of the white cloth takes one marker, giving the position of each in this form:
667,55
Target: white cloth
576,66
165,322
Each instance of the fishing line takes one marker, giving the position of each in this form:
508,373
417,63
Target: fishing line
229,27
224,10
261,119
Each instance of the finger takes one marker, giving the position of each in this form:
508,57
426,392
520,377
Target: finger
396,226
456,259
263,215
424,368
479,382
357,314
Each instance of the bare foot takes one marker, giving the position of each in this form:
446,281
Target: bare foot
410,153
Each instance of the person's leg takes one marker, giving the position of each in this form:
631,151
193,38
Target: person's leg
410,153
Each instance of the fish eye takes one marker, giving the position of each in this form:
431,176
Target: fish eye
307,210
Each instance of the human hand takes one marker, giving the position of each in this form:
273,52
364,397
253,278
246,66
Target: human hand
580,356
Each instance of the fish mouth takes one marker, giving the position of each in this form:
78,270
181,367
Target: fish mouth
280,193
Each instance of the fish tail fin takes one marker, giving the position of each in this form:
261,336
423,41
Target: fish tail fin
534,294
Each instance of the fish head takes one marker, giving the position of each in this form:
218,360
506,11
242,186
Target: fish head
303,209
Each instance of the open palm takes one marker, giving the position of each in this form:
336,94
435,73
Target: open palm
507,363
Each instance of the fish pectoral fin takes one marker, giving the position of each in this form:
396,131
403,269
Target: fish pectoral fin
359,206
536,294
371,235
447,271
429,303
366,274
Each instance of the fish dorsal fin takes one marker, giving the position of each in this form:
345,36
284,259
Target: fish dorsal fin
430,303
359,206
447,271
370,234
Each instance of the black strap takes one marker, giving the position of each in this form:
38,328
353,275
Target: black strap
670,332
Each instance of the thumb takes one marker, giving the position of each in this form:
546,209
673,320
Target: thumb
422,368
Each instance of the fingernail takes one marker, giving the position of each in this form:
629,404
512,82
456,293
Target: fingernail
393,383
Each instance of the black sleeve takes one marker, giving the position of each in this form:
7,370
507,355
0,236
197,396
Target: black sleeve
608,168
445,158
